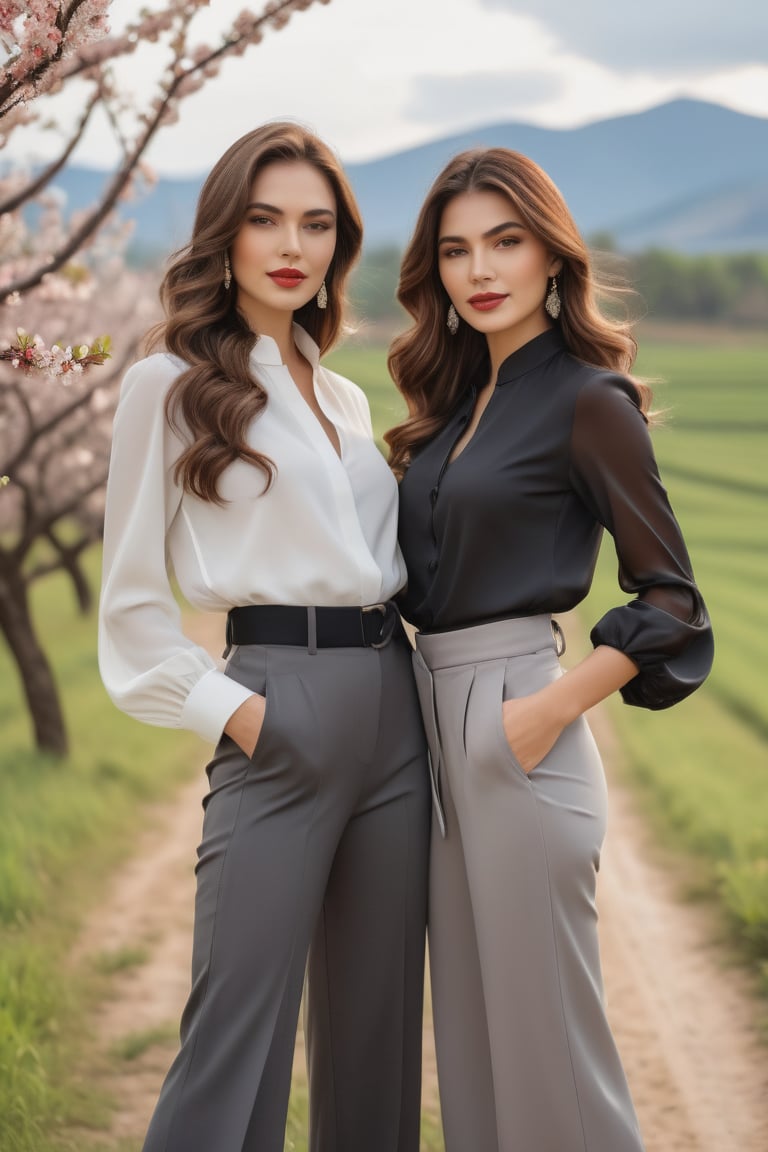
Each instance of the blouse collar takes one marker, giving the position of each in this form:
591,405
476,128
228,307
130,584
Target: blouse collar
531,355
266,352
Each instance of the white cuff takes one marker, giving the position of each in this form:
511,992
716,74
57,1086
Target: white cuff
210,704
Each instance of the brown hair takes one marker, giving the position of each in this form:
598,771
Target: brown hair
217,396
431,367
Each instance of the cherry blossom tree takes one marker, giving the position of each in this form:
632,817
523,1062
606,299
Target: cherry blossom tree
54,44
64,285
55,428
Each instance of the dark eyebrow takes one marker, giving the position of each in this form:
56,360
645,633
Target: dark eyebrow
486,235
314,212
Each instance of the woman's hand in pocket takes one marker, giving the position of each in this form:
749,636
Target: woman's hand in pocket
244,725
531,727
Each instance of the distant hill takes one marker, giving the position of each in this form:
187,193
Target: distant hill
686,175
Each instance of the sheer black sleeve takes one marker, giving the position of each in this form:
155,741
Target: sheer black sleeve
666,630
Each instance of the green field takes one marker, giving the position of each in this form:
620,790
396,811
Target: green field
702,767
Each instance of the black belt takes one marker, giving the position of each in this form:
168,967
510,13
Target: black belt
371,627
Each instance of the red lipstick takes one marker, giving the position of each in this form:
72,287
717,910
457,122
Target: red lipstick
486,301
287,277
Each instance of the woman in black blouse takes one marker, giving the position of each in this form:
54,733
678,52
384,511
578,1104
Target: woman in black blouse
525,438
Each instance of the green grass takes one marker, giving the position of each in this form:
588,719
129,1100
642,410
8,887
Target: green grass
730,457
121,960
296,1128
65,826
367,367
701,767
135,1044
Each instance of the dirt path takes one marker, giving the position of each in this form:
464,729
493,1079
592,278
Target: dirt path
684,1017
683,1020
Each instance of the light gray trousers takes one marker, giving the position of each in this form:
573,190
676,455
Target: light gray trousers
526,1060
315,849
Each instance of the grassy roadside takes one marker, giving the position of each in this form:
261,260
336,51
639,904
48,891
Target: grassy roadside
700,769
65,826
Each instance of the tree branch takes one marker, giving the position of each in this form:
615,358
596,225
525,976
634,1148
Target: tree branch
12,91
40,526
37,431
44,178
275,12
64,552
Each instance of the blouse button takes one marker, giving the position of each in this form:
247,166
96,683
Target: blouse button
433,495
432,566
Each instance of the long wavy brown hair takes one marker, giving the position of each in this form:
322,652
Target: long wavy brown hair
217,396
430,367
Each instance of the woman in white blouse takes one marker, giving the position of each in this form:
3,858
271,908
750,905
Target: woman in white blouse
250,471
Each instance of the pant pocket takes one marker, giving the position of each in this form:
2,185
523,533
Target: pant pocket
522,676
268,720
488,750
426,694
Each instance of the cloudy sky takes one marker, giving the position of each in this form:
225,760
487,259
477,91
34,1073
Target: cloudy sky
375,76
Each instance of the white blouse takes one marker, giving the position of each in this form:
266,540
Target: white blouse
325,533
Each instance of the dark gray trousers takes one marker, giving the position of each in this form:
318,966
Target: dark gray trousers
313,859
525,1056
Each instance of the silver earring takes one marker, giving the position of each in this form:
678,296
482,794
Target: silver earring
453,320
322,296
227,272
552,302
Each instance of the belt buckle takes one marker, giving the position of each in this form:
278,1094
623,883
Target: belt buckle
384,610
227,637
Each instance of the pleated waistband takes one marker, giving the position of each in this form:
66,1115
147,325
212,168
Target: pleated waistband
494,641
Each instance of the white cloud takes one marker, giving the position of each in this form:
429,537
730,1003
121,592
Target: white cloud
486,97
375,77
685,37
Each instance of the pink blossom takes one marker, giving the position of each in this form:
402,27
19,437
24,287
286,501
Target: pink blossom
31,354
44,56
243,25
189,85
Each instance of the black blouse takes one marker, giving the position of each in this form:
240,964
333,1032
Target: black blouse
512,526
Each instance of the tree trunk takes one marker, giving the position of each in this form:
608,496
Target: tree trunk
83,593
35,672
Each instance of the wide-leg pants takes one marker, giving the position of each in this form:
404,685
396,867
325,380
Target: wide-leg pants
526,1060
315,849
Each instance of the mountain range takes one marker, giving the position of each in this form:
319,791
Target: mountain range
686,175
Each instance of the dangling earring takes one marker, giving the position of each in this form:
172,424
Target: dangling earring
227,272
322,296
552,302
452,321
